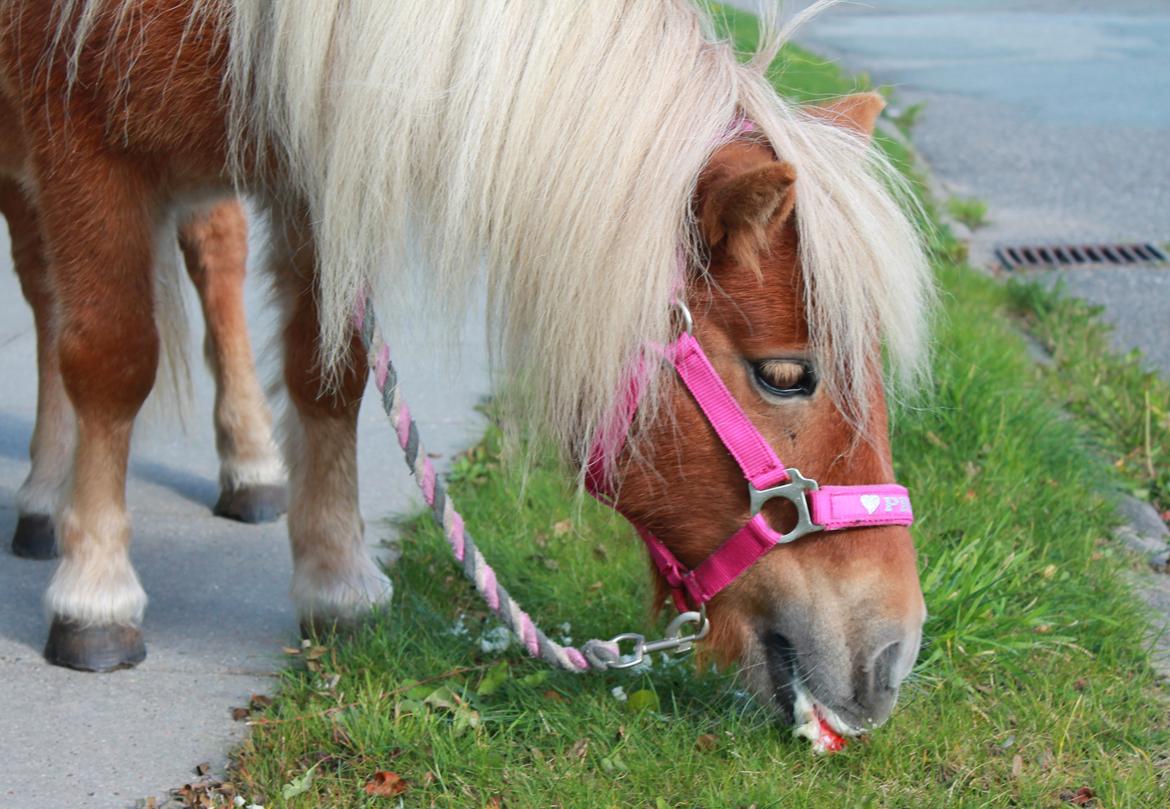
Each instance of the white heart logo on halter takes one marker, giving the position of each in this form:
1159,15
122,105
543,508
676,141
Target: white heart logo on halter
870,502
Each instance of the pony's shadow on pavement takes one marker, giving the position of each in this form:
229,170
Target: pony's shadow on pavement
16,432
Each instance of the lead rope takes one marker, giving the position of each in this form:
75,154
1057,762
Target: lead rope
593,654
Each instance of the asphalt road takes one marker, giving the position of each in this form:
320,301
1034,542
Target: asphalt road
1054,112
219,609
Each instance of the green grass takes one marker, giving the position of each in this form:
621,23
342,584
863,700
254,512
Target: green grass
1032,682
1125,405
971,212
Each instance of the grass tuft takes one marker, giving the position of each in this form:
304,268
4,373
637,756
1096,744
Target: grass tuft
971,212
1124,404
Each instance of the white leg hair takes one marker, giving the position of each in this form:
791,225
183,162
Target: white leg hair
95,584
333,575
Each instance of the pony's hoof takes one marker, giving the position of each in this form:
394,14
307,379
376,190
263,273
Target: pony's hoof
33,538
106,647
253,504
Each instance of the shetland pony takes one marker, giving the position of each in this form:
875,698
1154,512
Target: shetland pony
583,159
214,246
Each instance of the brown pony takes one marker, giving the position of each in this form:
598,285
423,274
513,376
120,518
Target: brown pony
573,153
213,240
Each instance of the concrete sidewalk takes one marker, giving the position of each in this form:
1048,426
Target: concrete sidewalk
219,608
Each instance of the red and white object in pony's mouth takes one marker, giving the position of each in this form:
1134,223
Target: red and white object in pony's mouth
818,724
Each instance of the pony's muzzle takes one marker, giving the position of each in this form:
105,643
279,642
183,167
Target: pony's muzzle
855,689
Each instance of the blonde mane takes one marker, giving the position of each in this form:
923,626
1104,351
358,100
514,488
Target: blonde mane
554,148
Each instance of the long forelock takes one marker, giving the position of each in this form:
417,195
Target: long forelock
555,152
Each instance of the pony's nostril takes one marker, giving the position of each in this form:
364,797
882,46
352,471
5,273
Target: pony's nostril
885,666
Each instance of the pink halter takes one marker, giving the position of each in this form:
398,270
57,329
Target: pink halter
828,508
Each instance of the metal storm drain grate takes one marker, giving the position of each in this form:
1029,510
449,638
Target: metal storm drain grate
1078,255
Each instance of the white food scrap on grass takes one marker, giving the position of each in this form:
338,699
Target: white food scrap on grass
495,640
619,693
459,628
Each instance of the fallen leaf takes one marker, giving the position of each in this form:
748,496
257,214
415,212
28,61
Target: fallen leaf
1081,684
316,652
299,785
203,768
240,714
535,678
443,697
386,784
601,553
494,679
705,743
554,695
290,650
561,528
595,586
641,701
494,802
1017,765
258,702
1081,797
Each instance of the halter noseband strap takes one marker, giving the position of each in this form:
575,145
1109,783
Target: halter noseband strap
831,508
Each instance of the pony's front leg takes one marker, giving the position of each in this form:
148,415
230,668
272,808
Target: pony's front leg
334,578
214,241
51,448
98,223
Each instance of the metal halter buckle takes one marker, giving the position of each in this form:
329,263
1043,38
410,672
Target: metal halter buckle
794,492
674,642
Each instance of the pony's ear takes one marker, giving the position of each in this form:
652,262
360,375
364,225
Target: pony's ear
858,112
739,212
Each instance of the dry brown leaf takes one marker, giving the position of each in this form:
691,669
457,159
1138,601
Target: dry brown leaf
579,748
258,702
561,528
1080,797
203,768
555,696
240,714
706,743
386,784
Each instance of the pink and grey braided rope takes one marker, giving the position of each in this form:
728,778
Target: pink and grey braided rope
593,654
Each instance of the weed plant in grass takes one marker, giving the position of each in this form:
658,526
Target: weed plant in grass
1032,687
1125,405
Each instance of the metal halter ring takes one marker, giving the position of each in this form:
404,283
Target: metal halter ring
674,642
794,492
685,313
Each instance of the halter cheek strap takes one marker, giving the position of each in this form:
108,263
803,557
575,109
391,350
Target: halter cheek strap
829,508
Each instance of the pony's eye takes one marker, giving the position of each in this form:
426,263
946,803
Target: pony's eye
785,378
